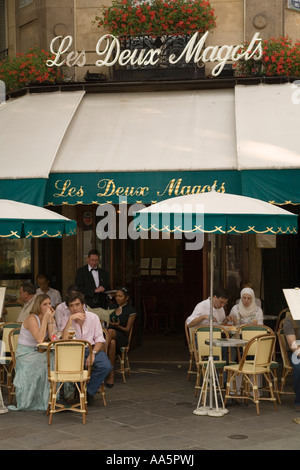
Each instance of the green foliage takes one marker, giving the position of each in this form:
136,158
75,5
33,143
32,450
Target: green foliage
22,69
281,57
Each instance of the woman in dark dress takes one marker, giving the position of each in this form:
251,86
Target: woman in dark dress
121,322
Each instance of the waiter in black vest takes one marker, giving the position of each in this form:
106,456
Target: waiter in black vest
93,281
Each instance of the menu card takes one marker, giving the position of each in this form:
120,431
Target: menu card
293,300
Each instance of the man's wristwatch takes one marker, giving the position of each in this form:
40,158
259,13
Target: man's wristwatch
94,352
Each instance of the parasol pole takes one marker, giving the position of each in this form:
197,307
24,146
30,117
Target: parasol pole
211,377
211,361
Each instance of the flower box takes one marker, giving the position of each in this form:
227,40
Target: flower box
280,57
132,18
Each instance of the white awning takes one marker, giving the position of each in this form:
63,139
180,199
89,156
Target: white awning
76,148
32,129
267,126
150,131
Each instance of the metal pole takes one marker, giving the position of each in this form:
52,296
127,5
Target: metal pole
211,377
211,317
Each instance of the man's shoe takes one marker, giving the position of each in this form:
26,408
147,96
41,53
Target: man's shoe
90,399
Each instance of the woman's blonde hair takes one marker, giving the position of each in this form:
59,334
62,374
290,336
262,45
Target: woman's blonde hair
36,307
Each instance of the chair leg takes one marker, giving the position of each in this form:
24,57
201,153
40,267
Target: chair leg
198,378
275,380
127,365
190,368
53,386
285,373
83,407
255,393
122,366
9,384
102,391
270,383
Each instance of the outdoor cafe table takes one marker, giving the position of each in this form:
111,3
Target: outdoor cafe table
270,317
228,343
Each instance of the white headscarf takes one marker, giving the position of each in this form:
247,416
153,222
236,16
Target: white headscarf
247,311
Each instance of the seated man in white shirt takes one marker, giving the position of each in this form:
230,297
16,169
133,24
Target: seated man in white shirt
43,283
200,315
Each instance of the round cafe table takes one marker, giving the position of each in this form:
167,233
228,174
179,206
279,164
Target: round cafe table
228,343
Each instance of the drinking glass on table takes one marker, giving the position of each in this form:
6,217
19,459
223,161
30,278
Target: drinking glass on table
71,332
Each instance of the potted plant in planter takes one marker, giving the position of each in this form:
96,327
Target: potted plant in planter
157,23
280,57
23,69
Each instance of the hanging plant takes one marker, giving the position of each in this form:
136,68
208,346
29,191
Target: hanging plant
18,71
280,57
126,18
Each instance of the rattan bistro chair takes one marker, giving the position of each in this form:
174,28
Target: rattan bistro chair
287,368
6,365
189,340
123,358
262,348
248,332
281,317
201,352
68,367
13,339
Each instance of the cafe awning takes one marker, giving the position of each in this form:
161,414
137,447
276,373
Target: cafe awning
268,149
146,146
32,129
143,146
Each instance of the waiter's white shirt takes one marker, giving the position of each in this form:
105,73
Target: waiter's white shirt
95,275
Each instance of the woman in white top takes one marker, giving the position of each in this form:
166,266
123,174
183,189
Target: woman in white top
31,379
246,311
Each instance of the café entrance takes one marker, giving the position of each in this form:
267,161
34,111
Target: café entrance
164,276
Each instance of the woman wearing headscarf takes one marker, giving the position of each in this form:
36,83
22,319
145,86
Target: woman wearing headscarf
246,311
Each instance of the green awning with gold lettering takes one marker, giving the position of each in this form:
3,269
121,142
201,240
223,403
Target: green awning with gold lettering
276,186
142,147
